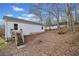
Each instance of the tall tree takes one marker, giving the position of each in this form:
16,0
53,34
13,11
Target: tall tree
58,15
70,19
37,10
55,11
76,13
48,21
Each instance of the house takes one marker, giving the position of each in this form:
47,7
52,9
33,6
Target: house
27,27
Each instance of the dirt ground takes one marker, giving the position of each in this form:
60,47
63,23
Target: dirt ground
46,44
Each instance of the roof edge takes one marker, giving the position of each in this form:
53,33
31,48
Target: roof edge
17,19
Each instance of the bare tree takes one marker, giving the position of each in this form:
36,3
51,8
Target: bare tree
54,10
56,13
70,19
37,11
67,14
48,21
76,13
58,25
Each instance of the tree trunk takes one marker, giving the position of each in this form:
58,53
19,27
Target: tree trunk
58,25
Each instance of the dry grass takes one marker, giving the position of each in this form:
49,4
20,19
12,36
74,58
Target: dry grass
63,30
2,43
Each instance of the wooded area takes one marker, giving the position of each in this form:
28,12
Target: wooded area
67,14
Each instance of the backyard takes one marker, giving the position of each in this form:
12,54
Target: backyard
46,44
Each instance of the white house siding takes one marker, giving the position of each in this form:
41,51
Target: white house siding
6,30
27,28
55,27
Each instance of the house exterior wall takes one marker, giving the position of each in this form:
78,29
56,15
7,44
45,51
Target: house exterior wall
27,28
6,30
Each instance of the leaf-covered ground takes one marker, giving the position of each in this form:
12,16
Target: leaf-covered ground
46,44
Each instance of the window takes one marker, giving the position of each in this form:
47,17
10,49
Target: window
15,26
42,27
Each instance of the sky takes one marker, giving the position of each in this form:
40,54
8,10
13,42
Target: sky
19,10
